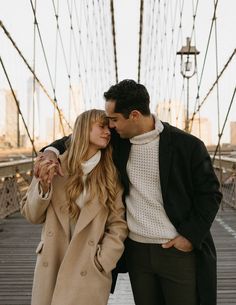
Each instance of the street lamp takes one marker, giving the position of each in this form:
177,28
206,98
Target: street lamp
188,64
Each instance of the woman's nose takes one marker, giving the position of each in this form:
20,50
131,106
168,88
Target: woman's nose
107,131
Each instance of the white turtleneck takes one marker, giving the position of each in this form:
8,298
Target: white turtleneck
146,217
87,167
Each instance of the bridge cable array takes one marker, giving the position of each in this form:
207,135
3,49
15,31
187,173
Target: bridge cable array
32,71
92,27
159,23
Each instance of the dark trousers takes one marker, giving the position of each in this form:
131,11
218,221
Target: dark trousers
161,276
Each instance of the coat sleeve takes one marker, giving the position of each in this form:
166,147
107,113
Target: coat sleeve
33,205
206,197
112,244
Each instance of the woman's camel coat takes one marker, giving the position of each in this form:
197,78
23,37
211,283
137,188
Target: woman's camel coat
69,272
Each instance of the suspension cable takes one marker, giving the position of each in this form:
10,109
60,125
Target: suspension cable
222,130
41,41
215,82
114,37
34,82
205,56
55,76
218,95
140,38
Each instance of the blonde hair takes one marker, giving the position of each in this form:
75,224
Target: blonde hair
102,182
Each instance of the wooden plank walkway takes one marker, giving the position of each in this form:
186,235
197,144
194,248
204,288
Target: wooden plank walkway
18,240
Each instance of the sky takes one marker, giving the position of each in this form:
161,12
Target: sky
96,56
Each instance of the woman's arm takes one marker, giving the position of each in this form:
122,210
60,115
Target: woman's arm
35,203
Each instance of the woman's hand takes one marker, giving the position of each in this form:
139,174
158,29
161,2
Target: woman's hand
46,167
44,186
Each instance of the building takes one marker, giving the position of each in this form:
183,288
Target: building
233,133
12,132
33,102
171,112
201,128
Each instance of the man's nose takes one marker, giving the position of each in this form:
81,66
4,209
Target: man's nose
111,124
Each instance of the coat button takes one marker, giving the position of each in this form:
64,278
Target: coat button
91,242
45,264
83,273
49,233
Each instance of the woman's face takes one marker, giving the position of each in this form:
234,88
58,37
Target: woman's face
99,135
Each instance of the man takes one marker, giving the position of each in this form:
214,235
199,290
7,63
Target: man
171,195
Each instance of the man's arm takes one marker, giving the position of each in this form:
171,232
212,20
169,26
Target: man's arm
60,145
206,201
207,197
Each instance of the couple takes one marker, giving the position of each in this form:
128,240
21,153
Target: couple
171,195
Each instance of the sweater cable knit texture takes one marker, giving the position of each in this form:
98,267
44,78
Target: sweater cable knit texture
146,217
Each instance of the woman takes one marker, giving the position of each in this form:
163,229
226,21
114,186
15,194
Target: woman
83,220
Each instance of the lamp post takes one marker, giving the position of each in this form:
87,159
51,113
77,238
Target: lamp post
188,62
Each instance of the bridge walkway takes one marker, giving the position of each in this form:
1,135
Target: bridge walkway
18,240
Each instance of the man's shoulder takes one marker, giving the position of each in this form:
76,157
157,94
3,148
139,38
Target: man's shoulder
181,138
179,133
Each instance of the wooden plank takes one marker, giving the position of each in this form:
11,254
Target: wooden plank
18,241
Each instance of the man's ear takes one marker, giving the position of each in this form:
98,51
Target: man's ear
134,115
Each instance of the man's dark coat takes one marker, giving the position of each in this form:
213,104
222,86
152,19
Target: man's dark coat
191,197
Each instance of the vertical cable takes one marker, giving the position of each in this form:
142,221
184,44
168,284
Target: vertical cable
114,37
217,93
55,70
140,38
34,80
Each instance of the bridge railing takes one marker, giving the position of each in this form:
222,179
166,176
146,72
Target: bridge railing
225,169
229,191
15,177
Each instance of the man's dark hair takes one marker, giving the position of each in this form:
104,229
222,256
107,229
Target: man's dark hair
129,95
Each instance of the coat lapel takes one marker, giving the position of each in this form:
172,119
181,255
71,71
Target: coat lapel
165,156
87,214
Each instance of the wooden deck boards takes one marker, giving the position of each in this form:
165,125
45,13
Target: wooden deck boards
17,259
18,240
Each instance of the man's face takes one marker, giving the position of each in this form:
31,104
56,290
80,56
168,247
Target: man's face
125,127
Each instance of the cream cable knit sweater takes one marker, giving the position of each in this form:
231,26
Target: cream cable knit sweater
146,217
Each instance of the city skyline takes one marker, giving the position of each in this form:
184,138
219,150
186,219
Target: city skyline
173,113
